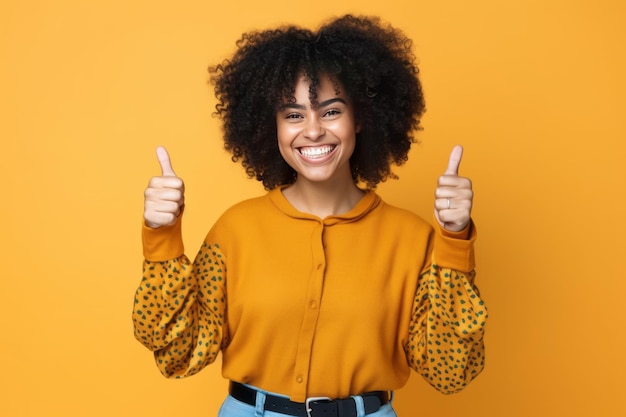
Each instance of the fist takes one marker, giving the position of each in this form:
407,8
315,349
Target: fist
453,196
165,196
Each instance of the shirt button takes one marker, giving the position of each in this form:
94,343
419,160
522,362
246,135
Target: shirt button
319,266
299,379
313,304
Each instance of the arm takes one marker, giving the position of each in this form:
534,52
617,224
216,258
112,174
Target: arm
179,307
445,343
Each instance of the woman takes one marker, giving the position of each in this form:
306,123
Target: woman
319,295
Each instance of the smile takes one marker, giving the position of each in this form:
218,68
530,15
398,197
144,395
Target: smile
317,151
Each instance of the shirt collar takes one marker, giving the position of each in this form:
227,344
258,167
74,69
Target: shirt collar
367,203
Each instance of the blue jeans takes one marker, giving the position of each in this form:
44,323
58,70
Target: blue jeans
234,408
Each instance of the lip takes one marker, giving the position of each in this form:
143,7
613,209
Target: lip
316,154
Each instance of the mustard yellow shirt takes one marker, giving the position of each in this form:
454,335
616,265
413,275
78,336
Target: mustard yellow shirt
307,307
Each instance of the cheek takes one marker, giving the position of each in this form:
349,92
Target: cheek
286,133
284,138
348,135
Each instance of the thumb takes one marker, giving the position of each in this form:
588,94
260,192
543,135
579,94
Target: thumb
454,161
164,161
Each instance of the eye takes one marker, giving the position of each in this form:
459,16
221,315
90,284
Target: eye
332,113
293,116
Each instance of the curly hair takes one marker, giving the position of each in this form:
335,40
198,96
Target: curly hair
373,64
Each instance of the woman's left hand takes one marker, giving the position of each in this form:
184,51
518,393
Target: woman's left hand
453,196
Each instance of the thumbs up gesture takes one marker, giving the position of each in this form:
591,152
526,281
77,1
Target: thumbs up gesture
453,196
165,195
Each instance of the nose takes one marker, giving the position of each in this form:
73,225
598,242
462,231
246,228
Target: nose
313,129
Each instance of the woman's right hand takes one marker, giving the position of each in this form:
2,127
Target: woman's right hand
165,196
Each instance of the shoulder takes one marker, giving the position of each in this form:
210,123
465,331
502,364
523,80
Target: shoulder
402,217
399,224
246,205
237,221
244,211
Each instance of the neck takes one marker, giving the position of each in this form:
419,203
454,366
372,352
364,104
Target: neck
323,199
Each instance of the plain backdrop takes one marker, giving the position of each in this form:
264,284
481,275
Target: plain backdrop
534,90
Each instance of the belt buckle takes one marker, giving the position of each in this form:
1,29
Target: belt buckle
307,403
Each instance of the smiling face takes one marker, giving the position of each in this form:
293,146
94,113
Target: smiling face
317,141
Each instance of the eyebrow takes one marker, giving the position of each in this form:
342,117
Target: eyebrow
322,104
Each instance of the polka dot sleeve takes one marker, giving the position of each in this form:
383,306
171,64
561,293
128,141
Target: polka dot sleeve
179,311
445,342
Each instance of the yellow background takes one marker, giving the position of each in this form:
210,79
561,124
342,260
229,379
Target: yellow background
534,90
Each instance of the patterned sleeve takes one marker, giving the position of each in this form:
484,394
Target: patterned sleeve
179,311
445,342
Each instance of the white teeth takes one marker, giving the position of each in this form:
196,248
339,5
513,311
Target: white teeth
316,152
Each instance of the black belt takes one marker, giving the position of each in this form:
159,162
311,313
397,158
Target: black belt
313,407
